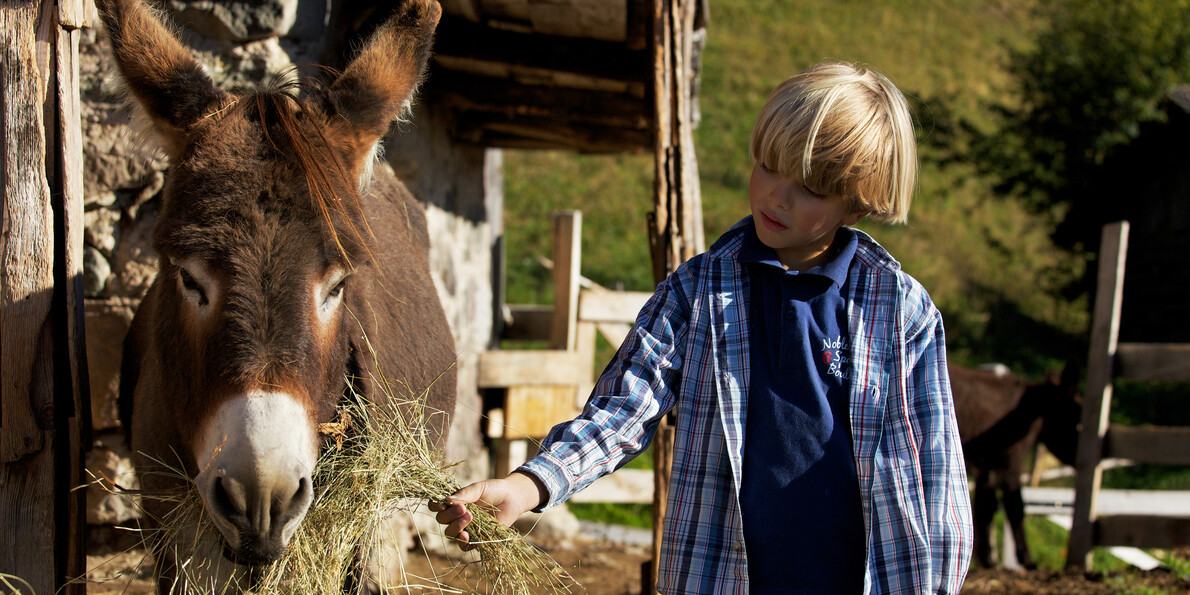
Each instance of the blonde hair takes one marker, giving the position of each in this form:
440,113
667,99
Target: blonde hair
842,129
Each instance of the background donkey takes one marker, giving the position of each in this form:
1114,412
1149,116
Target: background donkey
285,257
1001,417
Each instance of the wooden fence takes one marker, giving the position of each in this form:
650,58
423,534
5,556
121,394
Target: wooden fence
1110,360
44,406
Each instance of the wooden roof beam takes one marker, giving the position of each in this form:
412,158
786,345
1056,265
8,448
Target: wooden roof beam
460,38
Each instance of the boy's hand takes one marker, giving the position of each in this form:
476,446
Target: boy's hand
507,498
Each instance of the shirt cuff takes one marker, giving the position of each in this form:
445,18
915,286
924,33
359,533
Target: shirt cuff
553,475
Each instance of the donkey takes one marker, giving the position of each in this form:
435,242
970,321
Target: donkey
292,269
1001,417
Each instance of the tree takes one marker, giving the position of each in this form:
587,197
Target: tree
1098,71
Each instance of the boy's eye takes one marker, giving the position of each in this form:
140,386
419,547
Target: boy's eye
811,192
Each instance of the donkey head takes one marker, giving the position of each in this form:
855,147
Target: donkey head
260,237
1062,412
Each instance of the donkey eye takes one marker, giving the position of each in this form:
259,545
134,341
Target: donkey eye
337,290
189,284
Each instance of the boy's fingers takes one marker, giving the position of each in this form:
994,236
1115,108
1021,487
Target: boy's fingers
455,528
450,514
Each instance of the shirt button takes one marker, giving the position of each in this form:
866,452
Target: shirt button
789,314
739,547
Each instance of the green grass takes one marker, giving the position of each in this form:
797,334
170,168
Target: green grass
631,515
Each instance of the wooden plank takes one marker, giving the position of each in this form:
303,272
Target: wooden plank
470,92
1143,531
625,486
1105,328
611,306
601,59
1149,444
567,229
539,77
534,133
508,367
29,529
77,14
530,411
598,19
1153,361
1051,501
585,349
73,410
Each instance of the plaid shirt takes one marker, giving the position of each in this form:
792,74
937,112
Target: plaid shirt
689,350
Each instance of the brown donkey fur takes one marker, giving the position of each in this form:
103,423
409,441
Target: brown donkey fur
284,260
1001,418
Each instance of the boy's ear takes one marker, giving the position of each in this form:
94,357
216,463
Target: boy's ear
855,216
158,70
378,85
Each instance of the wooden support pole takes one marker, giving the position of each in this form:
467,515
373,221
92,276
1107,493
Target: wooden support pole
1113,252
675,224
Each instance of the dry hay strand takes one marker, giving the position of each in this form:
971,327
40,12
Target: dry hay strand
381,464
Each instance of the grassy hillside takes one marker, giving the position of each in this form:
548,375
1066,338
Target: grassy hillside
989,264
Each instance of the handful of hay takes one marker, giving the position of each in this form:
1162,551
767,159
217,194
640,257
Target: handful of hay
381,464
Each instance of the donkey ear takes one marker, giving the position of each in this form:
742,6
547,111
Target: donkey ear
379,84
159,71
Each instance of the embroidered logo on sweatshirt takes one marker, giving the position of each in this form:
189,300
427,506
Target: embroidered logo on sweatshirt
835,356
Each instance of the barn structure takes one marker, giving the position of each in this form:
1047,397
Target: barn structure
80,197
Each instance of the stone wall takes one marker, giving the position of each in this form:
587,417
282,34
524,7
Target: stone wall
244,43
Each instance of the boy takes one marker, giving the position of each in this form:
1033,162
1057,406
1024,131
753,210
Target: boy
816,448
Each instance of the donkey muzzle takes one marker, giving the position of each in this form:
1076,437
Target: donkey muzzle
257,458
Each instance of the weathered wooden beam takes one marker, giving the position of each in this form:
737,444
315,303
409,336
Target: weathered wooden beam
531,410
1143,531
509,367
457,37
542,134
41,529
538,77
1156,445
493,95
566,228
1153,361
1105,328
611,306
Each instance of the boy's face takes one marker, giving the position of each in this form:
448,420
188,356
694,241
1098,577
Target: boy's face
795,222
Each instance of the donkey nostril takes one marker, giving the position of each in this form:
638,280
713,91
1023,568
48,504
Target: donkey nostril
304,493
297,502
228,497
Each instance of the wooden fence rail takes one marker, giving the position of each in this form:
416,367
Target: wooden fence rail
1109,360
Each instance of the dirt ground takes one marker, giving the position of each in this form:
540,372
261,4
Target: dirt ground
604,568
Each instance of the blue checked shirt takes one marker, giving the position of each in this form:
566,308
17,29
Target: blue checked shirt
689,350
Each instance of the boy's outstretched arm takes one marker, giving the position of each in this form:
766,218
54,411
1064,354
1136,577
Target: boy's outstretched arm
508,498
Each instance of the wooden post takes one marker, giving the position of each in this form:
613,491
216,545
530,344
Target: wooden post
1113,252
675,224
528,408
44,402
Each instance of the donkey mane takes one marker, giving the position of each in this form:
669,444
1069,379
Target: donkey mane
292,115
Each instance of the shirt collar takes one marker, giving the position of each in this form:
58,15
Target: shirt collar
753,251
